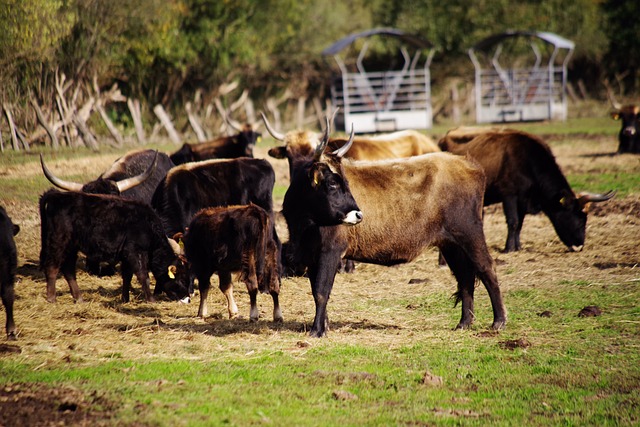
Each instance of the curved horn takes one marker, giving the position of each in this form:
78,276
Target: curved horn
65,185
340,152
129,183
277,135
323,141
593,197
175,246
232,123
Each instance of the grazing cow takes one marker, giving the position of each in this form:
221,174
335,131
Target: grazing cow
629,136
134,176
230,239
224,147
109,228
523,175
407,205
8,264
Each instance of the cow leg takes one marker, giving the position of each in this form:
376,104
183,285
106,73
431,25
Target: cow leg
203,285
277,313
476,249
51,275
8,297
226,287
459,265
68,269
321,277
127,274
250,278
514,225
143,277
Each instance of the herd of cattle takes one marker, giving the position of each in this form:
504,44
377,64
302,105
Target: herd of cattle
208,208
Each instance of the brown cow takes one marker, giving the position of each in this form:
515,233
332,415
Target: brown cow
523,175
229,239
405,143
407,204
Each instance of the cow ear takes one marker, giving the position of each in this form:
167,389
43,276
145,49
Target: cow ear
278,152
315,175
171,271
16,229
615,115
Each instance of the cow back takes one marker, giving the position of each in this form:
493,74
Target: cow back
194,186
408,204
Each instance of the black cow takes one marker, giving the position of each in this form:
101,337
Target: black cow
407,205
8,264
113,229
230,239
523,175
220,182
134,176
224,147
629,136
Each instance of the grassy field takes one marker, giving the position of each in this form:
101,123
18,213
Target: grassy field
391,357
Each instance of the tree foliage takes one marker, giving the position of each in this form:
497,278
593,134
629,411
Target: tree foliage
166,50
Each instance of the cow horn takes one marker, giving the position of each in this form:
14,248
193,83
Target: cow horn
175,246
65,185
129,183
277,135
592,197
340,152
323,141
232,123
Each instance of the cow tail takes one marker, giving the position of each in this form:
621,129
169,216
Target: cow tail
262,251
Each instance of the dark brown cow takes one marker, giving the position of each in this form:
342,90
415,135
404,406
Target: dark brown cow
407,205
629,136
234,239
523,175
220,182
109,228
134,176
8,264
224,147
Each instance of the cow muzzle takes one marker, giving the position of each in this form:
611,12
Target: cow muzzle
575,248
353,218
629,131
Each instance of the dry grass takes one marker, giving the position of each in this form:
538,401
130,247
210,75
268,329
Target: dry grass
103,327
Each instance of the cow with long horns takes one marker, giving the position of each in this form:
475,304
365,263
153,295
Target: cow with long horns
523,175
108,228
400,207
134,176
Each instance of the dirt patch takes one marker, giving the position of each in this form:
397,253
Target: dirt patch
38,405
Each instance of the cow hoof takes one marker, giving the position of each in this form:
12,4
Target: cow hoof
317,334
498,324
52,300
11,336
278,319
463,325
253,319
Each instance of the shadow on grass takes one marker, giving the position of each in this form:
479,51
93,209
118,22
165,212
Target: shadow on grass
229,327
